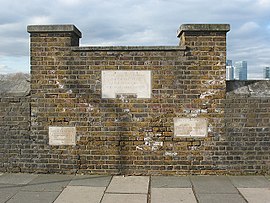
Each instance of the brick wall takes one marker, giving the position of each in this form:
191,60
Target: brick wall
130,135
14,132
126,135
246,145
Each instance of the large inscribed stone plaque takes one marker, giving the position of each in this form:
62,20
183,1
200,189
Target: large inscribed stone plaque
126,82
190,127
62,135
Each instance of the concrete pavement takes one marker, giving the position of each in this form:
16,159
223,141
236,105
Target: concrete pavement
32,188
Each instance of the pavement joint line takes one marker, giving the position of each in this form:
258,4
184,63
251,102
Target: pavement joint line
193,189
227,193
59,194
128,193
149,190
12,196
12,185
106,189
238,191
63,188
241,195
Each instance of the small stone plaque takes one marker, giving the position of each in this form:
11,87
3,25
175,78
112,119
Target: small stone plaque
190,127
62,135
127,83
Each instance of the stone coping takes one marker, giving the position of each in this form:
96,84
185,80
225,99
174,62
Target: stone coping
73,28
54,29
129,48
203,28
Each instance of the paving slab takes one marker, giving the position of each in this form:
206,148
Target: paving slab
256,195
48,183
172,195
91,180
33,197
17,178
82,194
220,198
212,185
124,198
129,184
170,182
8,191
250,181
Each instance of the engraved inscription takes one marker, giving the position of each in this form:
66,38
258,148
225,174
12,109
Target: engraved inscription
62,136
126,82
190,127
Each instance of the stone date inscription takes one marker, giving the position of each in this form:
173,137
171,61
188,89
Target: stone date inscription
126,82
190,127
62,135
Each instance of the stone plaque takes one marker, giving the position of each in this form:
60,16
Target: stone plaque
62,135
190,127
127,83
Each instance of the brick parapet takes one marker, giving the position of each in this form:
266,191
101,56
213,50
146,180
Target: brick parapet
14,132
127,135
66,91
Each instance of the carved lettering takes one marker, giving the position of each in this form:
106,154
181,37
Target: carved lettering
62,136
126,82
190,127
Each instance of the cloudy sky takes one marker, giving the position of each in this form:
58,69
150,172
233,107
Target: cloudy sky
137,22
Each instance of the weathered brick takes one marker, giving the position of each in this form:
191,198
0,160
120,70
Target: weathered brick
129,135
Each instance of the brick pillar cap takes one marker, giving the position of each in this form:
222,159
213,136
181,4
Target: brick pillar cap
54,29
203,28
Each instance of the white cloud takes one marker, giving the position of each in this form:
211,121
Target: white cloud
147,37
140,22
9,26
39,20
248,28
5,69
264,3
14,64
2,67
70,2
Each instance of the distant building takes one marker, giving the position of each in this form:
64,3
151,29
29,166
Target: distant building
240,70
229,71
229,63
266,73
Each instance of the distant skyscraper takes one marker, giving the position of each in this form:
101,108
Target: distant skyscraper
240,70
229,63
229,70
266,73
